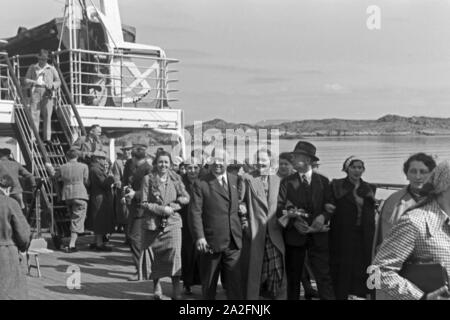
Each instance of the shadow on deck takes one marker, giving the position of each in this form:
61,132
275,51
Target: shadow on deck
103,276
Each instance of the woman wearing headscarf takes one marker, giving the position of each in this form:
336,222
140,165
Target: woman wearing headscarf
190,273
422,234
417,169
352,230
263,250
163,194
14,237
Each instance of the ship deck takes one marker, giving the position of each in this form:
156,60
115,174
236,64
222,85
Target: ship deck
104,276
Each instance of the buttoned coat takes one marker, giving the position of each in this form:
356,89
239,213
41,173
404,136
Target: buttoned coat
214,213
100,214
290,189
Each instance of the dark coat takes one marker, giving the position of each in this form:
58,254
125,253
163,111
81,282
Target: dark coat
214,213
342,234
100,210
290,189
189,254
14,236
120,209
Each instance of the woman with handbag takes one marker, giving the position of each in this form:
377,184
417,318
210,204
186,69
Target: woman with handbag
352,229
421,235
163,194
14,237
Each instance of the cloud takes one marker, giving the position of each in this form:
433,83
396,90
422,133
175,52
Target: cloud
336,88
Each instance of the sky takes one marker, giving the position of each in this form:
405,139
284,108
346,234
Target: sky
253,60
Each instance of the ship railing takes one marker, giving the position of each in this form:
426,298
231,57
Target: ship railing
27,134
64,102
118,79
5,88
389,186
65,108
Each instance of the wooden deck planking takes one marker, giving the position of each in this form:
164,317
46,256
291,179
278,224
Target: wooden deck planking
104,276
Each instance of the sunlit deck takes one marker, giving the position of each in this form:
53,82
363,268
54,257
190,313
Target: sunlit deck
104,276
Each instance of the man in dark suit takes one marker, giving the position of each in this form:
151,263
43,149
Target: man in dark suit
304,208
217,229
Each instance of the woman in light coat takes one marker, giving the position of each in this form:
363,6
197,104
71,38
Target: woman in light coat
163,194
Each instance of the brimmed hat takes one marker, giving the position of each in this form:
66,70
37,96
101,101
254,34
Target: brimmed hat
140,146
99,154
306,148
127,145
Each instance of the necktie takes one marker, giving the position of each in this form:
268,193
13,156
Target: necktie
224,184
305,180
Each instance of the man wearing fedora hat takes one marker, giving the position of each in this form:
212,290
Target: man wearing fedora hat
304,201
43,80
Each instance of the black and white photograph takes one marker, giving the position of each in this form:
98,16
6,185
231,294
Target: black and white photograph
248,151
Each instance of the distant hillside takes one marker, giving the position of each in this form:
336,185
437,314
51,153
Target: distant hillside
386,125
265,123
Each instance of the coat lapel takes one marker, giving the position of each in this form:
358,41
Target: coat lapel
316,192
274,189
215,185
258,191
232,188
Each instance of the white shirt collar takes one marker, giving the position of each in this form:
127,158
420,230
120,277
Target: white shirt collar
221,177
308,175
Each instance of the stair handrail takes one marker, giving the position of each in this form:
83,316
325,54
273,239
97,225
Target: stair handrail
18,89
68,95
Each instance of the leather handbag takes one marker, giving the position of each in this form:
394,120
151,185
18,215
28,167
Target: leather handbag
428,277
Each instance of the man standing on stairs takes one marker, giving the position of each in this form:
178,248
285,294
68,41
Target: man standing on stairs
75,178
89,144
43,80
15,170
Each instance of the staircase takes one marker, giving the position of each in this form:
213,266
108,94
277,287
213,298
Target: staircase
37,155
